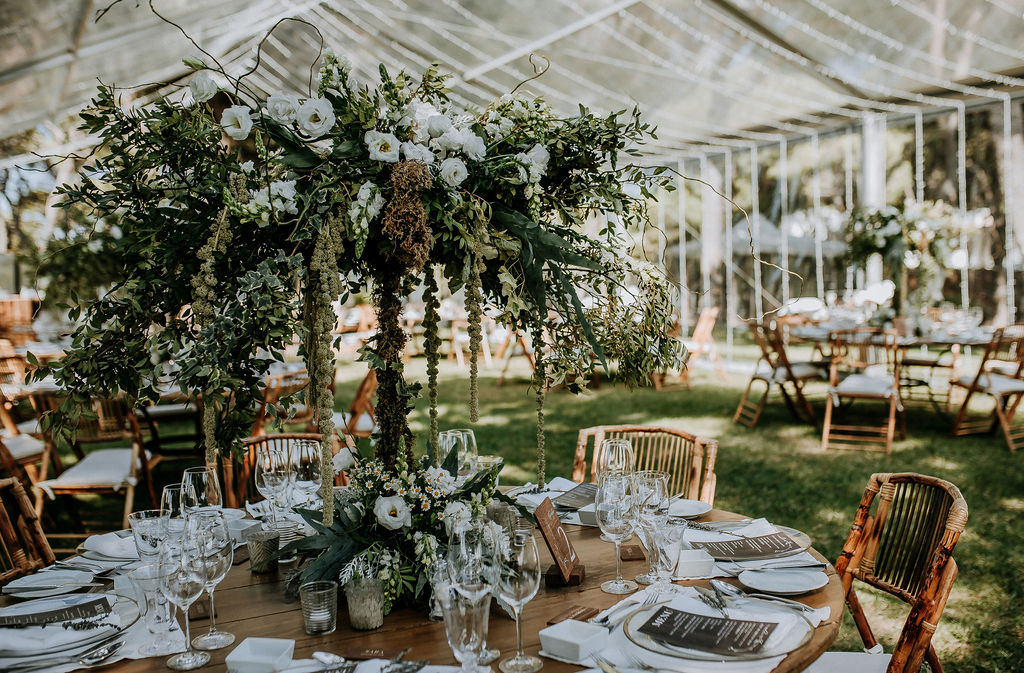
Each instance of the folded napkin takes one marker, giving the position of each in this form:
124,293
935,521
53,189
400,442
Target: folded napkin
621,652
112,546
553,489
52,636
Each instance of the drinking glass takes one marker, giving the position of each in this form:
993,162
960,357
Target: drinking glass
170,501
305,470
518,581
667,540
613,505
271,476
217,545
472,566
319,607
463,441
200,489
182,582
158,619
616,455
149,527
651,499
465,624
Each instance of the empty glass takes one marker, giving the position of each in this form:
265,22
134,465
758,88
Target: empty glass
666,540
217,544
200,489
154,608
182,580
170,504
518,581
613,506
319,607
149,527
651,499
465,624
271,475
304,464
472,566
463,441
616,455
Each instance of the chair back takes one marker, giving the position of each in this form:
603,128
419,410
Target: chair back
688,459
905,549
23,547
864,349
362,403
1004,354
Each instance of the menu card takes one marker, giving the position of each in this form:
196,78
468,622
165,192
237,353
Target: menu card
85,610
709,634
750,548
579,496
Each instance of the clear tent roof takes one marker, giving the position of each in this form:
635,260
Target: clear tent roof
724,72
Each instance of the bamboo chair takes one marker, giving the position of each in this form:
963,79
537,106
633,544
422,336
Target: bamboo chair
702,344
864,366
775,368
904,549
107,470
23,547
1001,377
688,459
360,420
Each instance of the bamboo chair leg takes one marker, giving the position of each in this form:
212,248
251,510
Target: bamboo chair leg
961,415
860,619
804,403
890,429
1004,420
129,504
933,660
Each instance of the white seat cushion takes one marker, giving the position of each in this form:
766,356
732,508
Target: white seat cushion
109,468
849,662
994,384
862,384
29,427
364,424
23,446
160,412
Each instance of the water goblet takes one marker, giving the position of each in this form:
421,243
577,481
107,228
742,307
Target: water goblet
465,625
154,604
149,528
182,580
217,545
613,506
667,541
304,464
651,499
271,476
614,455
468,453
200,489
518,582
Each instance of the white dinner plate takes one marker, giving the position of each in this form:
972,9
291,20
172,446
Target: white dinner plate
125,613
688,509
71,580
783,581
230,514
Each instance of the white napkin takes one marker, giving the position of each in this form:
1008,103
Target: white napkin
112,545
553,489
51,635
755,528
620,651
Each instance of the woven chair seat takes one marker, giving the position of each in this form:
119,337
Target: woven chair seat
849,662
29,427
993,384
108,468
24,446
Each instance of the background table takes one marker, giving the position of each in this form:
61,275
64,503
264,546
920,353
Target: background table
253,605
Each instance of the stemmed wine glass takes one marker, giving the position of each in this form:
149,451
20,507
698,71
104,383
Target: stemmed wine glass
170,504
650,490
613,506
305,468
271,476
200,489
182,578
614,455
463,441
217,546
518,581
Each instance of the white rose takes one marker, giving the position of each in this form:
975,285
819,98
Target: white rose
414,152
539,156
237,122
315,117
437,125
392,512
382,146
247,166
203,87
453,172
473,145
283,107
450,140
456,515
343,459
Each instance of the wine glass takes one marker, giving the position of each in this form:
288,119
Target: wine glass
149,528
616,455
271,476
518,581
650,490
465,625
217,545
613,506
468,453
182,580
159,622
305,468
200,489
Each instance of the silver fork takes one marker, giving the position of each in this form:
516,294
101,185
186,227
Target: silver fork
607,621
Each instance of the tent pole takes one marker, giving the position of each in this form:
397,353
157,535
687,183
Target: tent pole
755,231
684,290
961,179
819,229
919,157
1010,217
730,286
848,196
783,213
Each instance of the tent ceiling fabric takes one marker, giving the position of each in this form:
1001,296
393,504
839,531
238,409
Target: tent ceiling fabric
718,72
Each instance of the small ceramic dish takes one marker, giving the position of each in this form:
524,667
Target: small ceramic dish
261,655
572,640
239,526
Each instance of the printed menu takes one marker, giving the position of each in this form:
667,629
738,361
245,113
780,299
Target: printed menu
750,548
84,610
579,496
717,635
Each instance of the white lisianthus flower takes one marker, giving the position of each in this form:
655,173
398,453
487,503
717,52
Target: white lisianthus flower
456,516
414,152
449,140
283,107
416,117
237,122
247,166
343,459
203,87
382,146
539,156
437,124
473,145
453,171
315,117
392,512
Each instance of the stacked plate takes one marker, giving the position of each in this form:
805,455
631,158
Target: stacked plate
50,583
115,547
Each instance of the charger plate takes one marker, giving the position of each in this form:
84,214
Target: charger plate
126,609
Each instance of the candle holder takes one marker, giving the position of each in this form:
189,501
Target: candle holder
319,606
262,547
365,603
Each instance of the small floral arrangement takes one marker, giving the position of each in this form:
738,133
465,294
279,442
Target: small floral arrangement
392,527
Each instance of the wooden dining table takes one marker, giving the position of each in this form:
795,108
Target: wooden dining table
250,604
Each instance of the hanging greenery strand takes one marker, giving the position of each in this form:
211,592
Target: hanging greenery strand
432,347
540,382
474,311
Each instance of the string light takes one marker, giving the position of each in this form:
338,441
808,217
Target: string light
968,35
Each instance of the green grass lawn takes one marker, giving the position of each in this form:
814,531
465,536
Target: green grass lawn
779,471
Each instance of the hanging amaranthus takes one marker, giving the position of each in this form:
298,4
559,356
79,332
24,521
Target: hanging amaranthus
204,285
474,311
540,382
432,347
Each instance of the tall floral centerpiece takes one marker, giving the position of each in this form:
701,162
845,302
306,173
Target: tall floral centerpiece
242,228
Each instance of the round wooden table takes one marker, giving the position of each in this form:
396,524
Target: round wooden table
253,605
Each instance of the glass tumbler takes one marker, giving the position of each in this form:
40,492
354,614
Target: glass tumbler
319,606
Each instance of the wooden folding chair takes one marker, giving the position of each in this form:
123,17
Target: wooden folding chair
23,547
1001,377
688,459
864,366
775,368
106,470
360,420
702,344
904,549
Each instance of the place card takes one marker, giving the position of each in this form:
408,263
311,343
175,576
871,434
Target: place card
750,548
718,635
558,543
579,496
84,610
